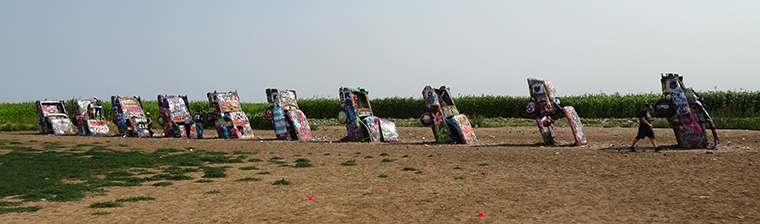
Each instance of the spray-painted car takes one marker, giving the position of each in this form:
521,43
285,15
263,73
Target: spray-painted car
361,123
231,121
443,116
129,116
544,105
686,113
174,113
53,118
289,122
89,117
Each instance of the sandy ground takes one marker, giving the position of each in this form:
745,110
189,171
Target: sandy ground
523,182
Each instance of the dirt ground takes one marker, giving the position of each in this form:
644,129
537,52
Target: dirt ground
523,181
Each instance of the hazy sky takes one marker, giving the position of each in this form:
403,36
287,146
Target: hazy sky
64,49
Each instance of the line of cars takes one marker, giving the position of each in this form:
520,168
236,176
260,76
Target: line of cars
683,108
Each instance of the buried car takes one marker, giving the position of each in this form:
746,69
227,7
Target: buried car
129,116
686,114
175,114
443,116
361,123
288,120
53,118
89,117
544,105
229,119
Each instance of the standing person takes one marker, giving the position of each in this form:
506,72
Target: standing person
211,117
150,123
188,126
198,119
645,128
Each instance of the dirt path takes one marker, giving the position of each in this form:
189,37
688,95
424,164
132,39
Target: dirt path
523,182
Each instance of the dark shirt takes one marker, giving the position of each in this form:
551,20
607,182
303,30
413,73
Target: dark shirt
646,116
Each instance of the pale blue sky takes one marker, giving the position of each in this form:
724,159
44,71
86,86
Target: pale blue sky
65,49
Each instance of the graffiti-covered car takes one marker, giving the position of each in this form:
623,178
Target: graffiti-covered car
544,105
449,126
288,120
129,116
53,118
361,123
686,114
175,113
229,119
89,117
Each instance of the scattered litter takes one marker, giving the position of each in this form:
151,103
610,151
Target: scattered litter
311,198
481,214
43,199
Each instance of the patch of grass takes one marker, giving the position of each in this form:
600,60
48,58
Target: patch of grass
384,154
264,173
276,158
383,176
100,213
213,172
297,155
418,172
405,156
213,192
326,154
458,178
244,152
107,204
368,157
303,160
136,199
281,182
204,181
483,164
249,168
254,160
388,160
9,203
409,169
162,184
4,210
51,145
249,179
123,145
348,163
277,162
457,168
368,193
302,165
358,153
164,151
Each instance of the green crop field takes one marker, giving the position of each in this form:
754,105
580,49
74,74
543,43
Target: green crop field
730,109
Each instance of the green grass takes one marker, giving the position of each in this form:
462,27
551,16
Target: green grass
244,152
100,213
254,160
368,193
483,164
136,199
388,160
348,163
302,165
264,173
4,210
409,169
213,192
458,178
204,181
249,179
281,182
213,172
384,154
162,184
405,156
10,203
107,204
383,176
249,168
303,160
457,168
